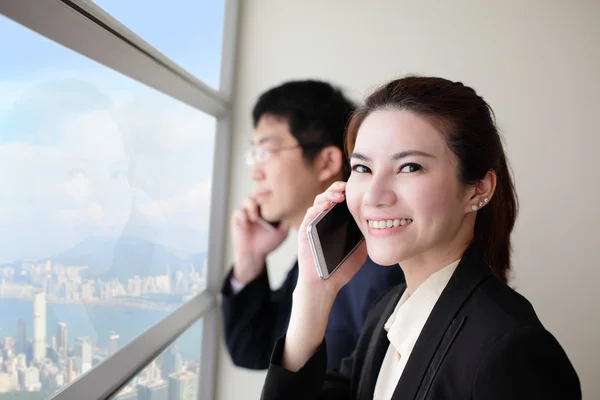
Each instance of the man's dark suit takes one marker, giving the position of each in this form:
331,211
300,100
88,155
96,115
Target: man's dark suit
482,341
256,317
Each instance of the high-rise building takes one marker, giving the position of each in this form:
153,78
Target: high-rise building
71,374
113,343
7,383
39,325
128,393
83,354
21,337
171,361
183,386
29,379
62,345
153,391
9,343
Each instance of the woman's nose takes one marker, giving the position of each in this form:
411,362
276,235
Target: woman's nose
379,194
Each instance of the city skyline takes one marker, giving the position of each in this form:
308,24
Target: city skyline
27,367
60,283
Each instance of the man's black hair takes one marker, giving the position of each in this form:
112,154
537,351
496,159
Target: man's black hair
317,114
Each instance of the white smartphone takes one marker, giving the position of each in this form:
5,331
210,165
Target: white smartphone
333,235
267,225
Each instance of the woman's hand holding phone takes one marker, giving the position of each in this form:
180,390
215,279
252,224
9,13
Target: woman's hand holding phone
308,278
313,296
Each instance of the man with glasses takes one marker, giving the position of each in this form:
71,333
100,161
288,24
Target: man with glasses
296,153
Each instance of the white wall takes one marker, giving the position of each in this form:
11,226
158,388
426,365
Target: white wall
537,62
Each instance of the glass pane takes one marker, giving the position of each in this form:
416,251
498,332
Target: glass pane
104,204
171,376
189,32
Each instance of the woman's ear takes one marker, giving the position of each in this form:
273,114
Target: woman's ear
481,193
329,164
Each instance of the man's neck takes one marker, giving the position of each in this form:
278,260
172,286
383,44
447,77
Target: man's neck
296,221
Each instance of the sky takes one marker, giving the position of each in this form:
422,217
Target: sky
86,151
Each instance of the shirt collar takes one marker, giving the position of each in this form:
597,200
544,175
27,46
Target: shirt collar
412,311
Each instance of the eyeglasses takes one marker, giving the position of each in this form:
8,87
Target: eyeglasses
262,154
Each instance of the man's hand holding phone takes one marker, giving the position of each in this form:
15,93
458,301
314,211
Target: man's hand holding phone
252,240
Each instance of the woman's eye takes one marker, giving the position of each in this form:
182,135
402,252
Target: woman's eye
361,169
410,167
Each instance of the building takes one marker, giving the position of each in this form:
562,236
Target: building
183,386
153,391
39,325
113,343
171,361
71,374
83,355
21,337
128,393
62,346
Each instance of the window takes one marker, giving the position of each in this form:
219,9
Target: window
189,32
104,201
174,375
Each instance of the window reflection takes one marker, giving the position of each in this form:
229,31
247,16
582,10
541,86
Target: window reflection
104,204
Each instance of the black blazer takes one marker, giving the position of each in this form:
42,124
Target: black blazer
257,316
482,341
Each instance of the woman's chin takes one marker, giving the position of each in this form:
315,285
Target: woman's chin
383,256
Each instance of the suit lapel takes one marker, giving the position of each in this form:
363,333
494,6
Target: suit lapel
376,350
470,272
436,362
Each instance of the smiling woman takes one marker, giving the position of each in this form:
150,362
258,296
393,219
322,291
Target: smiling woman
420,186
425,151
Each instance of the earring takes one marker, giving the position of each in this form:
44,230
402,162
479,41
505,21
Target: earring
480,203
486,200
474,207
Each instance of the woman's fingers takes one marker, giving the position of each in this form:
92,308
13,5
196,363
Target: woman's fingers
335,194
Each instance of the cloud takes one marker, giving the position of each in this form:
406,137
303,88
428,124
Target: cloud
10,91
190,207
162,125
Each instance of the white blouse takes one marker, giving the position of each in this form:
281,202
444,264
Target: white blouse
404,327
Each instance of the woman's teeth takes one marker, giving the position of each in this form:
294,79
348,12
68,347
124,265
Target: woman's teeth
389,223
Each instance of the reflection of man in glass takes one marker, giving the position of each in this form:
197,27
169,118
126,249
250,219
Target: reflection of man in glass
66,194
65,162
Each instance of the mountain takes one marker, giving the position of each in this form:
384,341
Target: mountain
125,257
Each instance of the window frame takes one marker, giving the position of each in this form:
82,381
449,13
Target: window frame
105,40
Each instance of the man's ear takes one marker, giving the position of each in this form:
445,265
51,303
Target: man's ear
329,163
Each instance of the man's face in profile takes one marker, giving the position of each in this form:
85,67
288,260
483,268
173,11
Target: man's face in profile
284,182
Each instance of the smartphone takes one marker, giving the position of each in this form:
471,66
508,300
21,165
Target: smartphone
333,235
270,226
